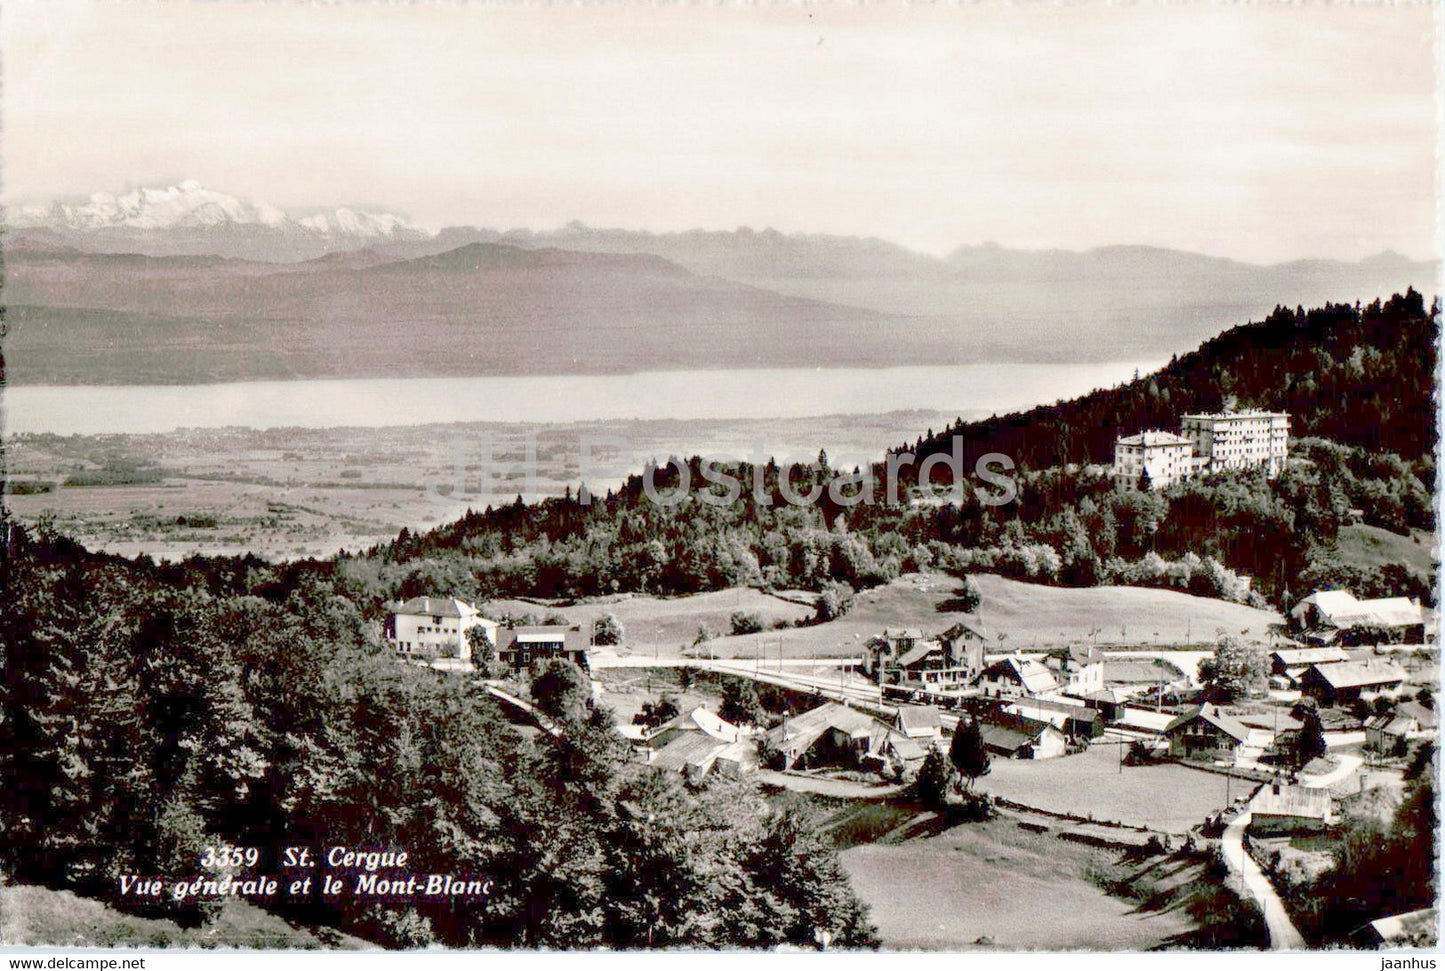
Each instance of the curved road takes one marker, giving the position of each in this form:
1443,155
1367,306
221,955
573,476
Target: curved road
1283,935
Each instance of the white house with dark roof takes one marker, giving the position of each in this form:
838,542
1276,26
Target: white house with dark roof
435,627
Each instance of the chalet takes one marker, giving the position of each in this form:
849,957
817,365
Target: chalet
834,734
433,627
1016,677
884,650
1279,810
1079,669
1022,738
699,721
919,722
1107,702
1391,732
1344,682
1291,663
1074,720
519,648
907,658
1205,733
1336,617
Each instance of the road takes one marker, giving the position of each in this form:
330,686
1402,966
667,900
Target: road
1347,767
1283,935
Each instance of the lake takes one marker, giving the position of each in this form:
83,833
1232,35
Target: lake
967,390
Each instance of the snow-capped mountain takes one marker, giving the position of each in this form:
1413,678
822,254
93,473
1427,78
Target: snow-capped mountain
188,218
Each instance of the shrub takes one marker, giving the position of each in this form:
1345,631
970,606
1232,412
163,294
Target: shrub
745,622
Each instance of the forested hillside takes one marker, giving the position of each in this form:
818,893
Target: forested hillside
1360,379
147,712
1360,376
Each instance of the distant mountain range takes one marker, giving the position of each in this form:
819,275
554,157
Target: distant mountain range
185,284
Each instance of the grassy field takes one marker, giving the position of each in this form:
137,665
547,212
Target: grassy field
994,880
1163,797
36,917
1370,546
666,625
1028,616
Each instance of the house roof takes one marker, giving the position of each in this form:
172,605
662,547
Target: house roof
1427,717
1076,712
1391,723
1013,734
1341,609
693,749
435,607
1228,724
1150,439
918,720
908,749
904,633
703,721
1292,801
1305,656
1034,677
801,731
1075,654
963,630
917,653
1358,674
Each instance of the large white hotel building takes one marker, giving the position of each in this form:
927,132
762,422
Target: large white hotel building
1206,443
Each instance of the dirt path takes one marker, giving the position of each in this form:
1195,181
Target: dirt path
1283,935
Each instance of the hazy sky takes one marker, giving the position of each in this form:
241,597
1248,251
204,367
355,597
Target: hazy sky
1259,132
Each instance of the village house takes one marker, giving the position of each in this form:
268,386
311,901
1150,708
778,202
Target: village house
835,735
699,721
1280,810
1390,733
1346,682
1336,617
1108,702
923,722
1205,733
1016,677
1291,663
695,756
434,627
1079,669
1022,738
1074,720
908,659
518,648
